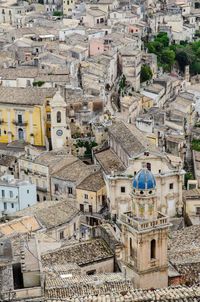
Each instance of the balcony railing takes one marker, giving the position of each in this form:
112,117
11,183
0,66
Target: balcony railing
141,224
19,123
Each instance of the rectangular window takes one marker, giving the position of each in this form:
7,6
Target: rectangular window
171,186
48,116
198,211
61,234
11,194
12,205
90,208
27,191
149,166
19,118
3,193
82,207
123,189
5,206
86,196
92,272
70,190
56,187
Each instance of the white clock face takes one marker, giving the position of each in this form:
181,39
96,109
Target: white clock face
59,132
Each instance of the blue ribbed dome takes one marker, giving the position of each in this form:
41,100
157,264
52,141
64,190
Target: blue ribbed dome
144,180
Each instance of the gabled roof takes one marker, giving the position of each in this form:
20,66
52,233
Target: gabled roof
81,253
51,213
25,96
93,182
131,140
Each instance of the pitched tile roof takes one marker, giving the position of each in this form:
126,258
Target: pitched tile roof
51,213
93,182
25,96
82,253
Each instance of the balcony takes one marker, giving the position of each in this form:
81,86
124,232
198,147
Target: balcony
141,224
9,199
20,123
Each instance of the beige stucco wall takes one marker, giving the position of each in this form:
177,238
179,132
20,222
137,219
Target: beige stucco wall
168,199
94,199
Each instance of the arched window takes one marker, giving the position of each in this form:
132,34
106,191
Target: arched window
131,248
58,117
153,249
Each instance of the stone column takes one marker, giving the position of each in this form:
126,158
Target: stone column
31,127
9,127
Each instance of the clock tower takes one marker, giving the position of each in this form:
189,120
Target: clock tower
60,130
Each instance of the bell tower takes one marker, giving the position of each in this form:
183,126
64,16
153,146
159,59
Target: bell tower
144,235
60,130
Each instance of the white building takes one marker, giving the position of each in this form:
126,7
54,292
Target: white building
15,194
60,131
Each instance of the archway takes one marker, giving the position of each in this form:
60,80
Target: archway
20,134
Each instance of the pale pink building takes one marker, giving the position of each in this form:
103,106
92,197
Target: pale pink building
96,46
133,29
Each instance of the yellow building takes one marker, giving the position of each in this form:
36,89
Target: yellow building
24,114
68,6
91,193
147,102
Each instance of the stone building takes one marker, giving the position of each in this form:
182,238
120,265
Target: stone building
184,253
131,66
38,169
64,181
144,235
91,193
59,219
129,151
93,256
191,199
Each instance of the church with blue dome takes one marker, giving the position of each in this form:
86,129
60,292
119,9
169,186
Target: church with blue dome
144,180
145,234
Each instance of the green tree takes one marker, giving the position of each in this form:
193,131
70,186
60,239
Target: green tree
167,59
163,38
195,67
57,14
122,84
146,73
184,56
